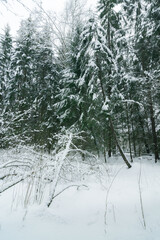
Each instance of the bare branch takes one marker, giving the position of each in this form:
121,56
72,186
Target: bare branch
13,184
74,185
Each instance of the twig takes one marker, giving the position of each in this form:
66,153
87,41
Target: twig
15,161
8,175
78,186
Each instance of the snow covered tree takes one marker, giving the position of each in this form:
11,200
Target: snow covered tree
67,106
5,58
144,43
90,93
110,22
103,77
21,92
33,86
43,117
6,73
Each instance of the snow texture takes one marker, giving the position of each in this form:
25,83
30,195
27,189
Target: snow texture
78,213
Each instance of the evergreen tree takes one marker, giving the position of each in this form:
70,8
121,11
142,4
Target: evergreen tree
6,73
145,58
45,88
68,108
110,22
90,92
21,93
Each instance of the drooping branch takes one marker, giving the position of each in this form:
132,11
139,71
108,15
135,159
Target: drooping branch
78,186
12,185
60,160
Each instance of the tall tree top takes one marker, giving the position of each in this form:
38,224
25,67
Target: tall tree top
107,13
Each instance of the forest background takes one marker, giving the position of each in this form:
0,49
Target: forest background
96,74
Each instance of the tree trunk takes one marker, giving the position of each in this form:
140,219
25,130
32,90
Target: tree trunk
129,134
144,135
133,135
95,141
154,134
104,146
152,118
110,120
109,91
134,142
109,142
118,146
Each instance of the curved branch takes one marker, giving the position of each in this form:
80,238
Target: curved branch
78,186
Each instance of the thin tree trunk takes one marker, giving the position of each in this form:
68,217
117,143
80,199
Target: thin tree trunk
95,140
144,135
118,146
104,152
134,142
109,142
139,149
133,134
154,134
104,146
129,134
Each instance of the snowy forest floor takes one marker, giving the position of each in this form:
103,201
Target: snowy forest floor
113,203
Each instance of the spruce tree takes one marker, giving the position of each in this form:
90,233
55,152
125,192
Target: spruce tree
110,22
21,92
68,108
45,88
146,46
6,73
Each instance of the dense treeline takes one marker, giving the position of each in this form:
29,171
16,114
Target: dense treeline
104,80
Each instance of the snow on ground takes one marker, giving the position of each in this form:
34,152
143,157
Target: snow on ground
113,190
